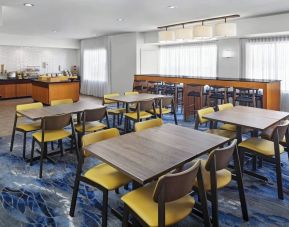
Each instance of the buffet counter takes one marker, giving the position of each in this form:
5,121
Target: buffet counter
43,91
15,88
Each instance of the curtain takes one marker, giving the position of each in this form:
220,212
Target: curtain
267,58
189,60
95,68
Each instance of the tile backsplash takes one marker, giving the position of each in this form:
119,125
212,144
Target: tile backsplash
47,59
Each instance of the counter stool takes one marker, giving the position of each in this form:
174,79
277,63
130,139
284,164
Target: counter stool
196,94
245,96
216,94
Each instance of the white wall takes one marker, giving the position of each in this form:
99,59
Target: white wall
18,58
35,41
123,61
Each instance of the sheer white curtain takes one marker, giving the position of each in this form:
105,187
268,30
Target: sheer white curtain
268,58
95,77
189,60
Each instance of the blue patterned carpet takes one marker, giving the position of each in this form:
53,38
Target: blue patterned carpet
27,200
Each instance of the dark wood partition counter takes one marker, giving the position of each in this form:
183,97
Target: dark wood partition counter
44,92
271,88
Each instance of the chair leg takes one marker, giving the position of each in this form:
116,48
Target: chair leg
113,122
74,196
254,163
32,151
104,208
24,145
125,216
13,133
61,147
279,177
43,151
52,145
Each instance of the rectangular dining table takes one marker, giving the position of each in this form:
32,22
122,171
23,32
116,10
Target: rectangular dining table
135,98
146,155
242,116
73,108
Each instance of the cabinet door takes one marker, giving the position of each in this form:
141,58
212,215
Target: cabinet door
9,91
21,90
29,89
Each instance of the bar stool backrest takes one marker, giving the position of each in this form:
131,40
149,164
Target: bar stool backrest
222,156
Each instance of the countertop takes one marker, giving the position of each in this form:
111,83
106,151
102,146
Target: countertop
211,78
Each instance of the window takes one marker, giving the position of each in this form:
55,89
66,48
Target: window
95,65
189,60
267,58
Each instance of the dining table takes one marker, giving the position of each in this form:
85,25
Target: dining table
145,156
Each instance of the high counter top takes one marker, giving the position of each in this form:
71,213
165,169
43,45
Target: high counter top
210,78
53,82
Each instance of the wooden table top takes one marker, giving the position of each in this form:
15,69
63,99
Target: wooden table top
135,98
37,114
151,153
249,117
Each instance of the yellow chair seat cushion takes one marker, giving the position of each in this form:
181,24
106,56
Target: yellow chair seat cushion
116,111
51,135
229,127
164,111
90,127
142,203
142,115
107,176
223,176
107,101
221,132
29,127
261,146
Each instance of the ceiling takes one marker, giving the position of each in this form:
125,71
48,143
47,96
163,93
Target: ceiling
79,19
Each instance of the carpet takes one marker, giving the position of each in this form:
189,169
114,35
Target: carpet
27,200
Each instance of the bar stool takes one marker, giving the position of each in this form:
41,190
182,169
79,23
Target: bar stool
216,94
245,96
196,94
140,86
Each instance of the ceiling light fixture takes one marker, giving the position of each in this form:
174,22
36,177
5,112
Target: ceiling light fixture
54,31
199,31
203,31
226,29
166,36
184,34
28,4
120,19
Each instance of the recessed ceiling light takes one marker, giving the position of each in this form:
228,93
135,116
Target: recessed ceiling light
54,31
120,19
172,7
28,4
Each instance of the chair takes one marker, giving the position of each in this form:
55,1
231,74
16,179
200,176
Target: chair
140,113
216,176
115,112
131,93
25,127
60,102
216,93
166,202
102,176
90,121
52,129
230,127
197,93
269,150
201,120
140,126
166,105
140,86
244,96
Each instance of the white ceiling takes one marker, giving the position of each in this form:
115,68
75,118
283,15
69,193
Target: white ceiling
87,18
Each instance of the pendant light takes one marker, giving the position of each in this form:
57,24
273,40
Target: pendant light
226,29
183,34
203,31
166,36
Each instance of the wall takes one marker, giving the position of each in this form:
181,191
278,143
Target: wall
18,58
34,41
123,61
